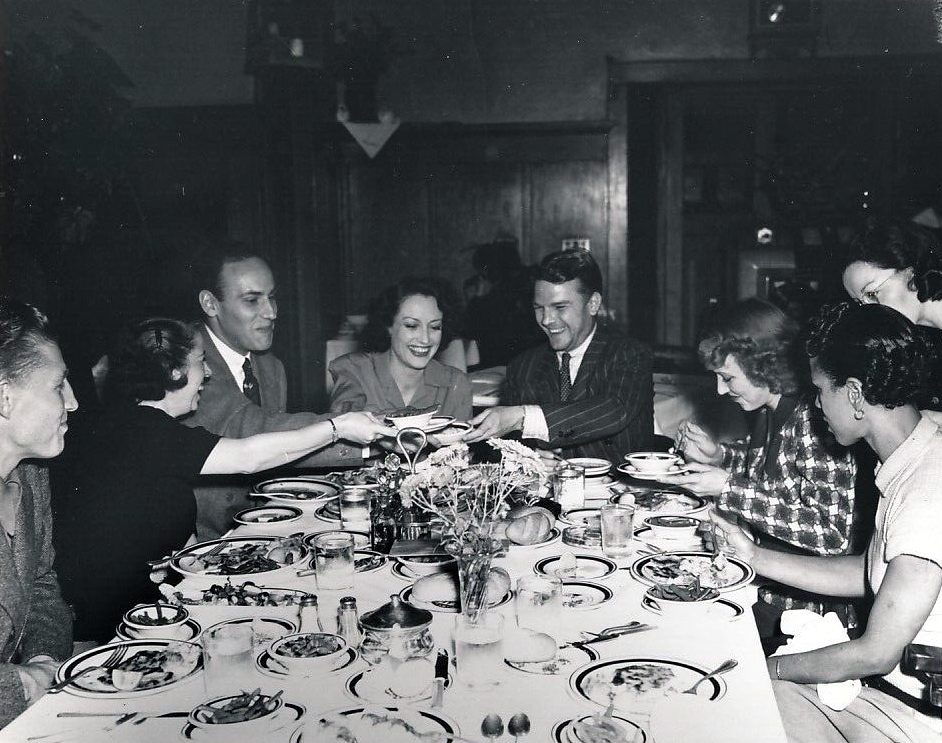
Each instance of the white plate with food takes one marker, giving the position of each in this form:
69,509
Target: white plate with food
685,568
584,594
593,466
303,492
368,561
377,723
262,558
287,715
593,728
662,501
131,668
635,684
572,566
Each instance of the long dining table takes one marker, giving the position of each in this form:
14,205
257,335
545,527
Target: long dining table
746,710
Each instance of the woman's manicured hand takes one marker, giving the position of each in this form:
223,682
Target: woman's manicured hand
697,445
738,542
703,479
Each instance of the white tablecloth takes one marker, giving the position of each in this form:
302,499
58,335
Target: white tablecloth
747,711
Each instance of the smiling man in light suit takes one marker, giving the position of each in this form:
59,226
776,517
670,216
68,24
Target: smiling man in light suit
246,392
588,392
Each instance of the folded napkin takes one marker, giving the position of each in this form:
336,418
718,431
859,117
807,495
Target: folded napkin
811,631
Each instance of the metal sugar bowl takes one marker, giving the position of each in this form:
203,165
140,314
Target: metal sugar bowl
396,630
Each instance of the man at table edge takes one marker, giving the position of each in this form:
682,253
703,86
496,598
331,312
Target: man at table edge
605,406
236,293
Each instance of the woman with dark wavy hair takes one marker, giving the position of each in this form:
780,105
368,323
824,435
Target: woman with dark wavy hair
132,470
788,480
407,324
869,365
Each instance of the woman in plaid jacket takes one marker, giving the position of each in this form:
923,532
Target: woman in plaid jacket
788,480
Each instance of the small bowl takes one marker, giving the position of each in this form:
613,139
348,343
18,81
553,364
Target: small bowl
144,621
670,526
453,433
254,729
415,420
308,663
652,461
262,516
427,564
676,608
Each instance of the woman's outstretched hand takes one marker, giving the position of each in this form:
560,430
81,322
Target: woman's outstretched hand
362,428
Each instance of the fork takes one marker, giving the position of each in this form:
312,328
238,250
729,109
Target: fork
726,665
112,661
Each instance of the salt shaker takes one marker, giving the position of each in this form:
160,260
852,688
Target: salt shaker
348,621
309,618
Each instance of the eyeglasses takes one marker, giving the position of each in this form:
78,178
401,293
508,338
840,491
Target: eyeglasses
872,296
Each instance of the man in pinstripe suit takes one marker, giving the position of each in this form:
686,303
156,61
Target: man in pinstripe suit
589,393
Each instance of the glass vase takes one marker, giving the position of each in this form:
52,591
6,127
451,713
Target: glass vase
473,571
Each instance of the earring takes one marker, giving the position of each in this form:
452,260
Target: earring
858,415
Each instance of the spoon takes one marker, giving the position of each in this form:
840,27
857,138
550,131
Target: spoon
518,726
726,665
492,727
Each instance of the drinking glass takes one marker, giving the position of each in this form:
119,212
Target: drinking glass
539,603
229,660
569,486
333,561
617,529
479,649
355,509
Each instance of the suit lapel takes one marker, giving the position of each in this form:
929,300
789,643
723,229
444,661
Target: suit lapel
221,373
589,364
546,376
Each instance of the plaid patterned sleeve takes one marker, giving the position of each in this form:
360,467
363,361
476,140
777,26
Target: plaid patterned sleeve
734,455
810,503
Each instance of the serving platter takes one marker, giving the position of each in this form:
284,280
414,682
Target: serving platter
188,561
423,721
587,567
666,567
636,683
447,607
97,683
580,595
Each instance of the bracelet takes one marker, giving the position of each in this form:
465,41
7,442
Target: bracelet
333,431
777,677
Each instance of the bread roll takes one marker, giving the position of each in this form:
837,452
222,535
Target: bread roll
443,586
527,646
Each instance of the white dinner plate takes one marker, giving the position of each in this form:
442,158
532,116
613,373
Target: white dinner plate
297,491
584,594
663,501
373,686
97,683
568,657
664,567
720,608
564,731
424,721
448,607
182,561
588,567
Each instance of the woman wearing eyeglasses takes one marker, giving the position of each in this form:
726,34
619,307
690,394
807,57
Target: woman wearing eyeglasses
899,266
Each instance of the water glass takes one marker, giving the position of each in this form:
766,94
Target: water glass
355,508
333,561
479,650
229,660
617,530
569,486
539,603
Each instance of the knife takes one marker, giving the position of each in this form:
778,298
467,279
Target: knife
441,676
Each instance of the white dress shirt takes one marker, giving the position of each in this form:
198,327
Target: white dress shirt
234,360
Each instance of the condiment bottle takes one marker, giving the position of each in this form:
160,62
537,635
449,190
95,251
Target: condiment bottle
348,621
309,618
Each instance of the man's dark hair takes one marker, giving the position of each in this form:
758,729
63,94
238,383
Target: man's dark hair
566,265
207,268
23,329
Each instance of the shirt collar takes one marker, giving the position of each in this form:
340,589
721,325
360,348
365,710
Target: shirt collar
904,454
576,354
234,360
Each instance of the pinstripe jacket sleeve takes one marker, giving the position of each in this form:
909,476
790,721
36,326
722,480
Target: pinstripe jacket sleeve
611,410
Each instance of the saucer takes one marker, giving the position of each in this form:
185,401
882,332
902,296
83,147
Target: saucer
627,469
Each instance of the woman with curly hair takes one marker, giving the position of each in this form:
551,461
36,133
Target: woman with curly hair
869,365
788,480
407,324
131,471
900,266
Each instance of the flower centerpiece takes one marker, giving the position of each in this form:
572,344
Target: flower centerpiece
470,500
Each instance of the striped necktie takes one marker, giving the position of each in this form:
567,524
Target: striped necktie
565,381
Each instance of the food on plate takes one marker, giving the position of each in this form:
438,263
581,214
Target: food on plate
681,592
529,646
366,561
244,594
240,708
296,489
633,684
147,618
601,729
311,645
148,669
567,566
409,411
246,558
441,588
363,476
662,500
372,725
689,570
